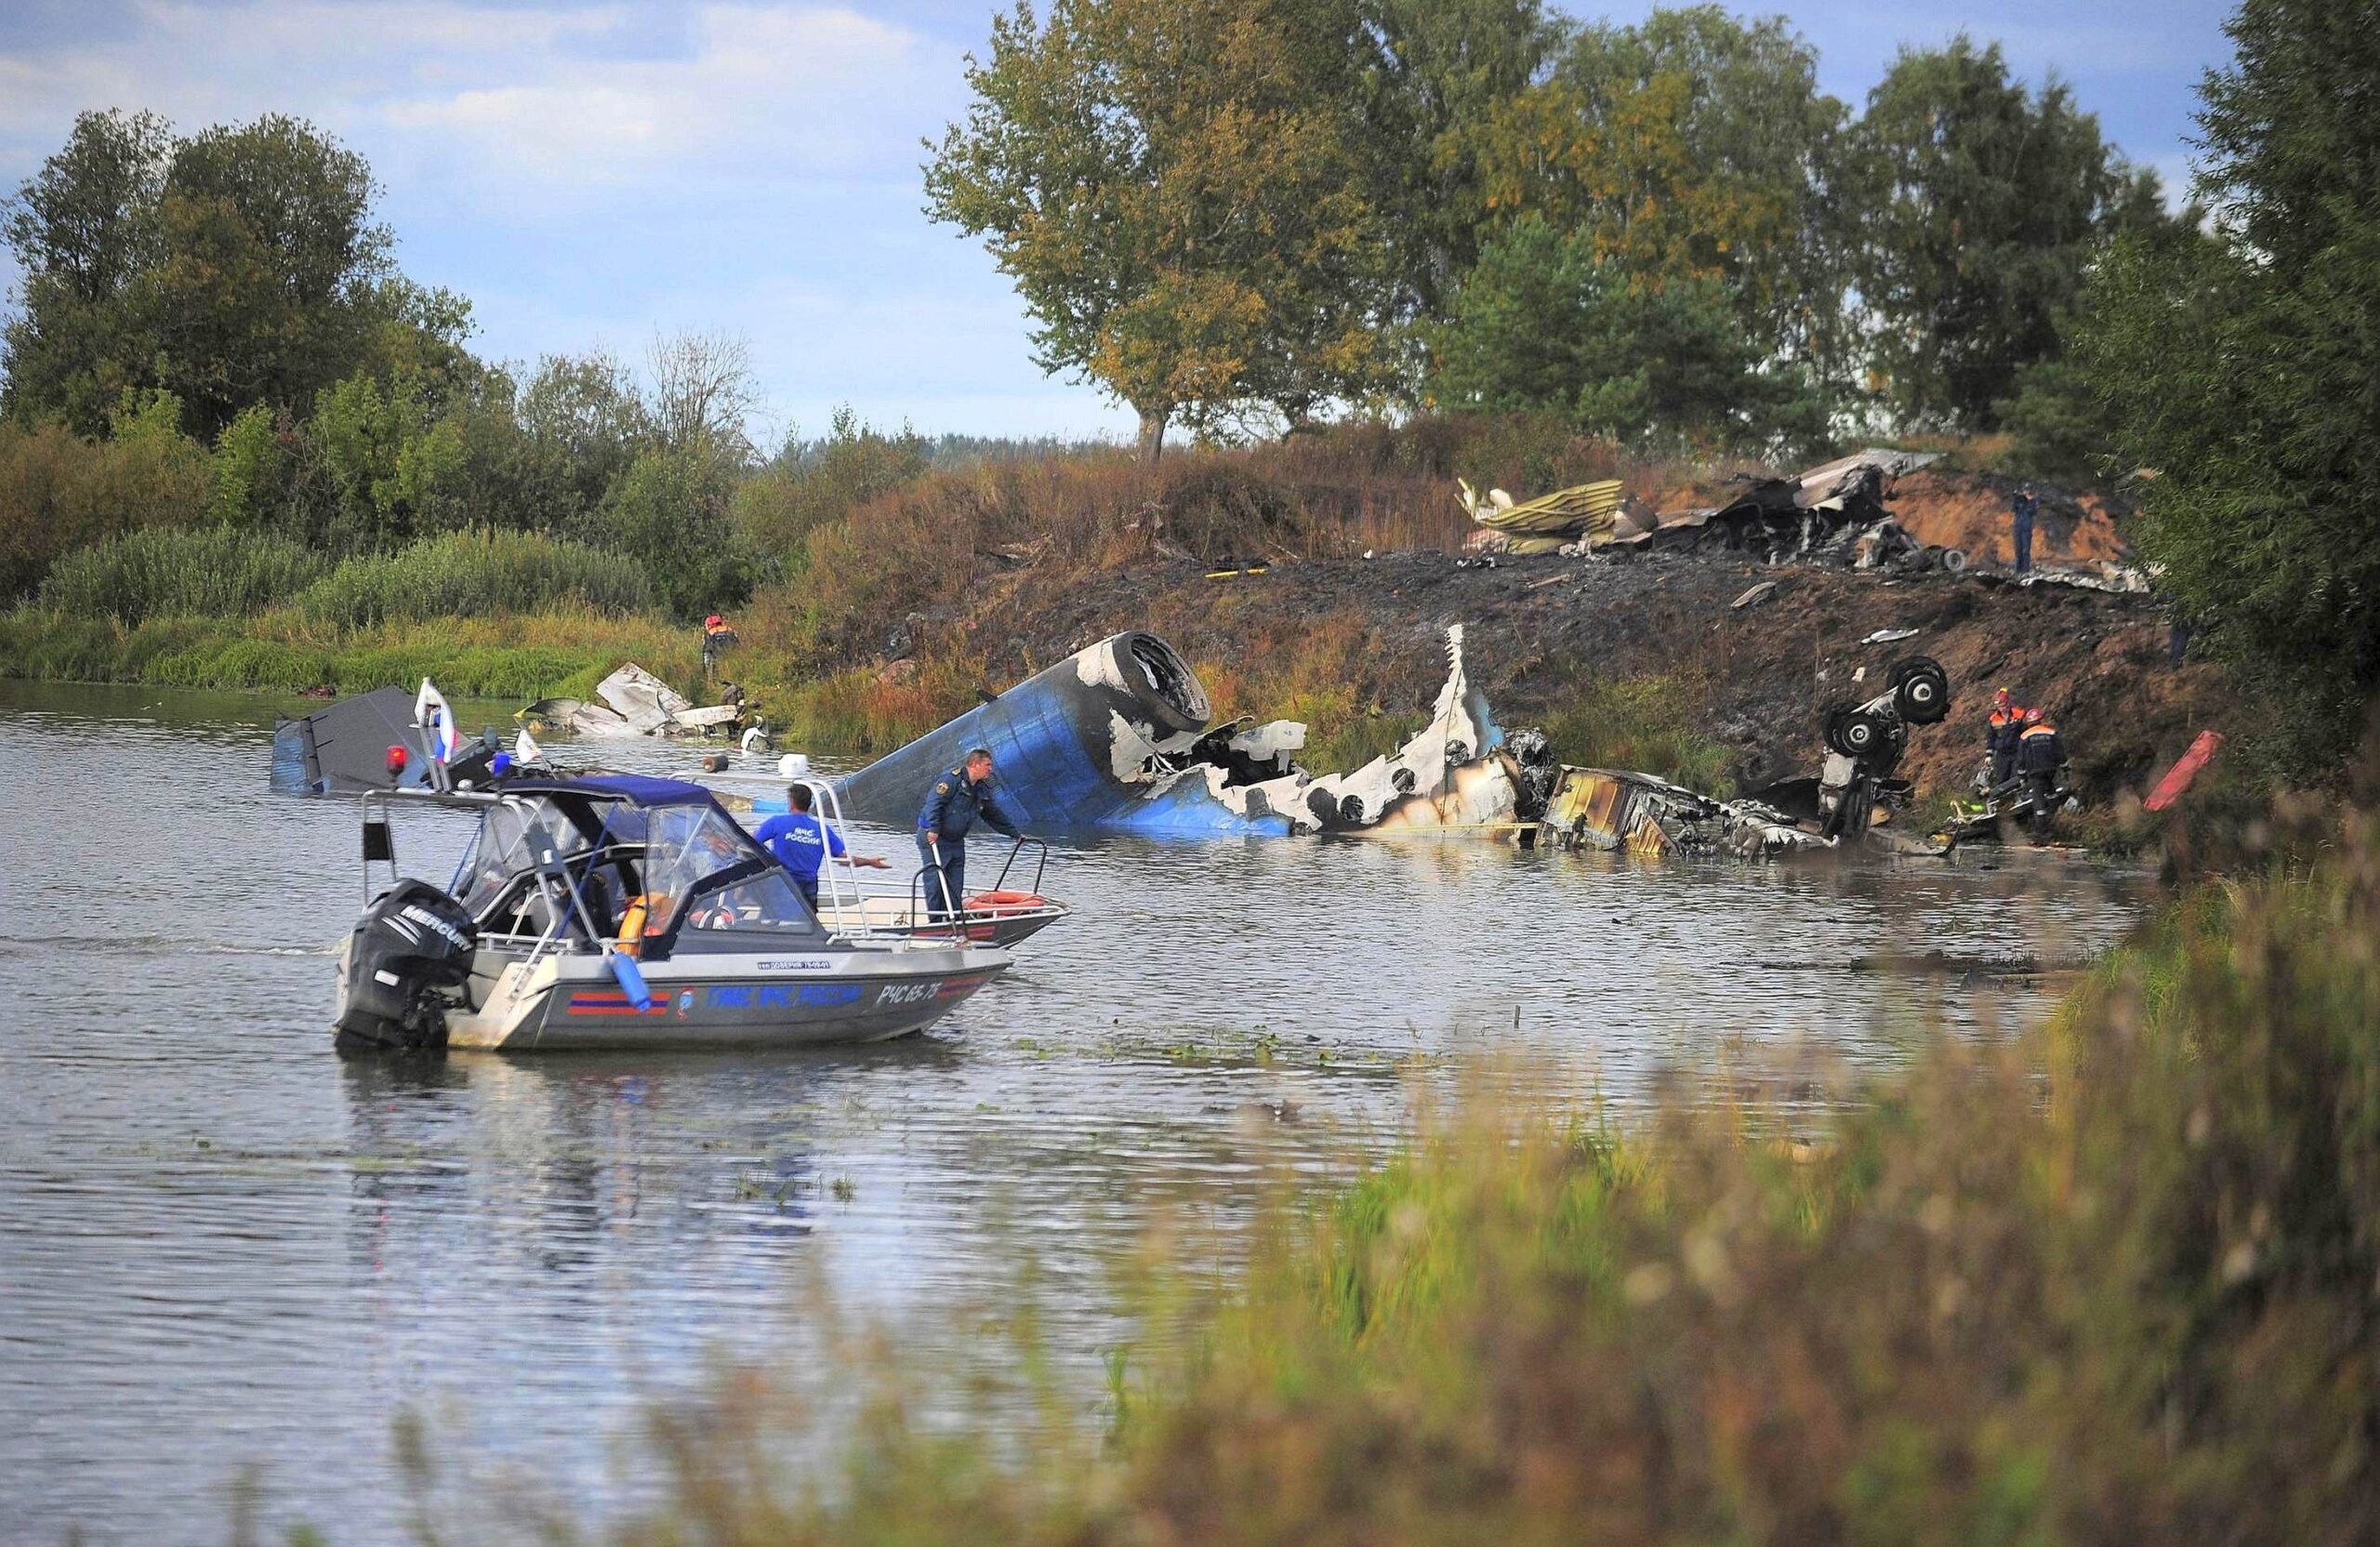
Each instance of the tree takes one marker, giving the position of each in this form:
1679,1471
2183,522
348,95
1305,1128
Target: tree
671,513
1698,146
1445,67
2244,370
1183,192
237,266
1981,208
1547,322
266,287
85,230
703,392
583,423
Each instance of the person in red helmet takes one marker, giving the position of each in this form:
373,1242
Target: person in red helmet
2001,732
2041,758
717,637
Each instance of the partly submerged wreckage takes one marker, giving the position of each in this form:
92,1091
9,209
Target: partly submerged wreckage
633,702
1602,809
1118,736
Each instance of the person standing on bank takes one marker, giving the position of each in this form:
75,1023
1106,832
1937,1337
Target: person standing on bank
959,797
802,843
2023,508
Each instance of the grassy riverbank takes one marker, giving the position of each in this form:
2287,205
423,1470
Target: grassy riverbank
2115,1281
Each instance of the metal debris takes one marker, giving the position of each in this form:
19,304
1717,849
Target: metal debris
632,702
1118,736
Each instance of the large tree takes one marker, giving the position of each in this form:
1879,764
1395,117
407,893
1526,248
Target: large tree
1546,321
1185,192
1445,67
2245,371
1980,207
86,230
1755,201
238,267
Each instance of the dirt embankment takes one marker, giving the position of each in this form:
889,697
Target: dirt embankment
1970,511
1541,629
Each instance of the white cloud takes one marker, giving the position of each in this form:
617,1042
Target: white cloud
763,94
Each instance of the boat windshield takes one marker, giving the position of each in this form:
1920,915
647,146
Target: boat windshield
703,873
511,835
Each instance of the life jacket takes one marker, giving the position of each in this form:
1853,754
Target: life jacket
636,921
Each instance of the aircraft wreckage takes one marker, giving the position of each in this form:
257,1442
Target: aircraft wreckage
1119,735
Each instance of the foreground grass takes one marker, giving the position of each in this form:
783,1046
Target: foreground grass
2118,1281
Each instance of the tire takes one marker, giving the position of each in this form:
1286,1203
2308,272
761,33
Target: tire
1863,734
1954,559
1832,720
1920,690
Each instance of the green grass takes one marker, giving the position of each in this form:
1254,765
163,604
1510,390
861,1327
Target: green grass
166,572
1640,726
477,575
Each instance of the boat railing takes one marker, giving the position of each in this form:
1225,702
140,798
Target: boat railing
1041,863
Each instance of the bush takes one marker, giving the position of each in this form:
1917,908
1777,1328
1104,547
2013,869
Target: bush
1639,724
59,492
476,574
208,572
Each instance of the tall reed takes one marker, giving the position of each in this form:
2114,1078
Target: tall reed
477,575
162,571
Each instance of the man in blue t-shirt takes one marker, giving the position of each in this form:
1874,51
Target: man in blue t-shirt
802,843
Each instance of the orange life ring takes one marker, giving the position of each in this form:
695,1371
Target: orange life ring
1005,902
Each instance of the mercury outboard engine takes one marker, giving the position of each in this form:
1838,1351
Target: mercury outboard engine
409,954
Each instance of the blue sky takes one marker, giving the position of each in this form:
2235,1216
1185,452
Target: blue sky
591,174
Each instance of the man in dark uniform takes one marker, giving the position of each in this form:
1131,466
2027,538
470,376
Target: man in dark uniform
2022,510
2040,753
956,799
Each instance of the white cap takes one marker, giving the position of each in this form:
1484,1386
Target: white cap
793,765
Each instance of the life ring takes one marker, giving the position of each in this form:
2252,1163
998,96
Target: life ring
1005,902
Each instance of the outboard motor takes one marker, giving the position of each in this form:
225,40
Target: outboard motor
409,953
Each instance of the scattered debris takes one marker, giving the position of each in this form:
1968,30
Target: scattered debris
1890,636
2177,779
1755,597
1588,511
388,739
634,703
1598,808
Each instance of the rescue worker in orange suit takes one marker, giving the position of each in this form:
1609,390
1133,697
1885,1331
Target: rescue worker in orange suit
2040,753
957,798
2001,732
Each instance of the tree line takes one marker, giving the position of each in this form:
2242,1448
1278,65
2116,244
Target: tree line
1235,212
1253,216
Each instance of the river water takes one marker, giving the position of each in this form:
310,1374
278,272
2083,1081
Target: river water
222,1246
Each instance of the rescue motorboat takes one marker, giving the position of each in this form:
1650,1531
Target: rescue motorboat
617,911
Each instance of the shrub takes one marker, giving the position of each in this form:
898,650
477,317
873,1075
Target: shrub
1638,724
206,572
474,575
59,492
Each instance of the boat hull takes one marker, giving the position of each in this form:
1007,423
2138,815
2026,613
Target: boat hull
783,1000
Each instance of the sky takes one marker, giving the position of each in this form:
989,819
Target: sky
597,174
